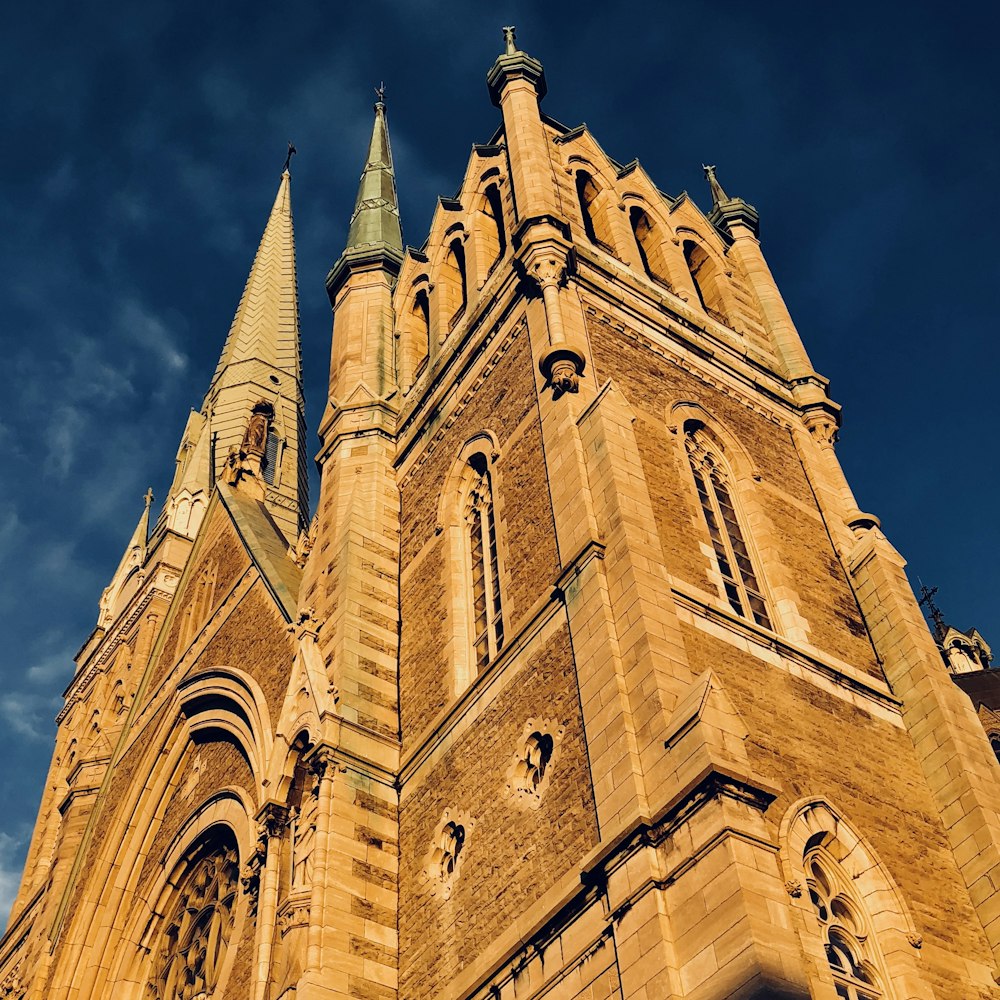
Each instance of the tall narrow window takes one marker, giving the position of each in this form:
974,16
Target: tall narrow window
456,263
649,244
487,611
731,553
842,922
705,278
494,210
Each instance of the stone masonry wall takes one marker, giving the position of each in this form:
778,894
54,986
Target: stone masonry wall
502,404
222,547
512,854
808,742
652,384
254,638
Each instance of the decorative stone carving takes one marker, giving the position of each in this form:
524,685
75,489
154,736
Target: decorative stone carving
794,888
528,774
304,837
12,988
255,437
823,429
915,940
444,859
197,931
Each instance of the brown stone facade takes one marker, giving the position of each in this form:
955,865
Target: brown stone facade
589,679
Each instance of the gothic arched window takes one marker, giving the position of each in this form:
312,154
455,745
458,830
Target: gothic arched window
198,925
457,282
705,277
732,556
484,562
493,209
844,927
650,246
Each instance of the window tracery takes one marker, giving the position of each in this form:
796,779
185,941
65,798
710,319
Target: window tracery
531,766
444,860
844,929
198,927
484,564
732,556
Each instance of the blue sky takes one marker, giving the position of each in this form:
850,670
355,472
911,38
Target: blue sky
143,146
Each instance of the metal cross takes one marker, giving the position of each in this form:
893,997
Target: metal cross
288,159
380,93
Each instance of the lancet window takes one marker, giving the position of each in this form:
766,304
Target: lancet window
484,563
650,246
732,556
272,450
843,923
704,277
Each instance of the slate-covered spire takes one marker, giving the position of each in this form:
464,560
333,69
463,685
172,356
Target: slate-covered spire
266,325
260,365
375,232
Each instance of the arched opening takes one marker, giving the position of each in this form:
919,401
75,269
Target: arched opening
199,920
493,210
595,225
705,278
484,562
733,561
415,335
650,245
454,280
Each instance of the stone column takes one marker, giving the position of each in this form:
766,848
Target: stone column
273,820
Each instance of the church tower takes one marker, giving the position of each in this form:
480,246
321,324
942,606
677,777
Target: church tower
589,678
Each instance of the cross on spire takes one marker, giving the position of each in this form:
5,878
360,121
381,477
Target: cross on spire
508,37
148,497
288,159
927,600
380,93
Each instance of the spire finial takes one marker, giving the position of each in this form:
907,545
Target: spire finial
509,38
380,95
149,498
927,595
288,159
718,195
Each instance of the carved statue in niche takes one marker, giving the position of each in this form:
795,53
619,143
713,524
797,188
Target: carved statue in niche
198,930
305,837
255,438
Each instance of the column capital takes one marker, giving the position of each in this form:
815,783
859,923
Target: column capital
515,66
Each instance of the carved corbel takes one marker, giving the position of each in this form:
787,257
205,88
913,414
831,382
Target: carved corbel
563,363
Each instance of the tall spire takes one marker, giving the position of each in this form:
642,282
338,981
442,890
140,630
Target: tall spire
375,231
719,196
266,325
260,366
133,557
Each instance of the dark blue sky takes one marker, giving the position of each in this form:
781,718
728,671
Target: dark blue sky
143,146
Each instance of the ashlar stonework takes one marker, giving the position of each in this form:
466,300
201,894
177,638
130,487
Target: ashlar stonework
587,679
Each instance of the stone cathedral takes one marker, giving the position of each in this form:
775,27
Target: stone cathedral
587,678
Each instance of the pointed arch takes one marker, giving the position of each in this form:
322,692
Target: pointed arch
452,287
649,240
856,926
708,278
221,827
414,334
593,203
716,485
470,507
490,231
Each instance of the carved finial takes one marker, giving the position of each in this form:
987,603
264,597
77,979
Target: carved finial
148,497
508,37
380,94
288,159
936,615
718,195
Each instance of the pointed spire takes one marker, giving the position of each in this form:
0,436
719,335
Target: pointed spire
375,233
719,196
730,215
266,325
